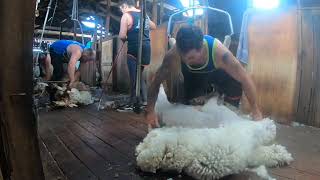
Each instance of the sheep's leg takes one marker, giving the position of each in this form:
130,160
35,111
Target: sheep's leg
262,172
271,156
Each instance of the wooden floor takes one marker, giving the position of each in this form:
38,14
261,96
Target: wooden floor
82,143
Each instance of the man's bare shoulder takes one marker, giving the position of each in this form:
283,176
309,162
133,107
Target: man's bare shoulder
74,48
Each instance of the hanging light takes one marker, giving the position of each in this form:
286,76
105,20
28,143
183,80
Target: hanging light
265,4
187,3
89,24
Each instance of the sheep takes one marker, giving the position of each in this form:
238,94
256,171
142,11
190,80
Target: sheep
209,142
210,115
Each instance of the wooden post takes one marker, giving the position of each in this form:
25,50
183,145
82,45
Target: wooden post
155,11
74,30
16,89
108,17
161,11
107,28
205,22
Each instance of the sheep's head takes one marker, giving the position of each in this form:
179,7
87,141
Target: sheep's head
150,152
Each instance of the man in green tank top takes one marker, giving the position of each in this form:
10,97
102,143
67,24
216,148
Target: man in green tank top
203,59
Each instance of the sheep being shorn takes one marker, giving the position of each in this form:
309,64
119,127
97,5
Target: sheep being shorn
229,145
211,115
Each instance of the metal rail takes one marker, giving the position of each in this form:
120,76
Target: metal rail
200,7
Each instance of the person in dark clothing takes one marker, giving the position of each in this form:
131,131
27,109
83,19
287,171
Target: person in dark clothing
66,52
202,60
129,31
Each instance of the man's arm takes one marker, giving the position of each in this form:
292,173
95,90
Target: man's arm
226,61
123,27
153,90
152,25
76,53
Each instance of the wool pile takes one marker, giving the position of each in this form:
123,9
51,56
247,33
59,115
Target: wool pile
65,97
209,142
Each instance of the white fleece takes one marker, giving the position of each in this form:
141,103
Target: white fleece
80,97
209,142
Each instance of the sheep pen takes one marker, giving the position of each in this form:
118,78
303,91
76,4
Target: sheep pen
209,142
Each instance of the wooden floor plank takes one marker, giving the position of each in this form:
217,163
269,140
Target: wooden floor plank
109,152
303,143
69,163
117,162
290,173
111,137
116,128
104,134
108,125
96,163
50,167
119,122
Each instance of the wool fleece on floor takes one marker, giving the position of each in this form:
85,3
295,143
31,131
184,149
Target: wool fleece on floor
209,142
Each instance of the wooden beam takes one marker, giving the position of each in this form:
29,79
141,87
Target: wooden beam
155,11
206,24
49,32
16,82
108,16
161,11
115,17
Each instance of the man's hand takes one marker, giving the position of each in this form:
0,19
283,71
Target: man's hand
256,114
152,119
201,100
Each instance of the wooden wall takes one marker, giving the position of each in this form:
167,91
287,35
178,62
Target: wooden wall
284,61
273,62
106,60
122,73
308,108
88,73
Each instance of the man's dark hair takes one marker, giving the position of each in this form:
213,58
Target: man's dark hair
189,37
130,3
88,54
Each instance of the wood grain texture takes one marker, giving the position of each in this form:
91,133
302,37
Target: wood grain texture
85,141
88,73
71,166
122,73
273,62
308,100
16,90
106,61
50,167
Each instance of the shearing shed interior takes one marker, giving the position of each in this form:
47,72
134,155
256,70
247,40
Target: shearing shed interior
160,90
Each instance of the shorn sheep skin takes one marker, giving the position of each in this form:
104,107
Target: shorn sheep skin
209,142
